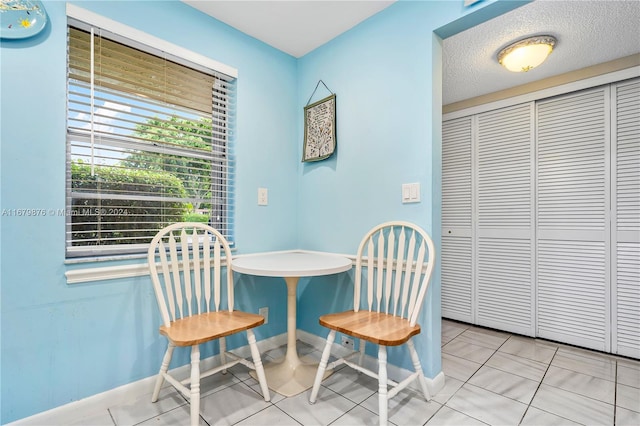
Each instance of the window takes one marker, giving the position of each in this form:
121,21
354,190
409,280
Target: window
148,144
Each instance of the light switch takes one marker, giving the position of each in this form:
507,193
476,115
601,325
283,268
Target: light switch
411,192
415,192
263,196
406,192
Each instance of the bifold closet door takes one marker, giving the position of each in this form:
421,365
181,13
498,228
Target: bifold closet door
456,256
573,236
505,219
626,235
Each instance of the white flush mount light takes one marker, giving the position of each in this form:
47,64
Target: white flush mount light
524,55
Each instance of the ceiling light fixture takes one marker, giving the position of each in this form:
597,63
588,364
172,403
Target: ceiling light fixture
524,55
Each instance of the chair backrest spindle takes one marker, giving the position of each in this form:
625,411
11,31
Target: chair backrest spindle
186,266
370,266
188,254
407,274
168,284
398,272
398,267
216,279
380,270
389,275
206,257
415,285
175,270
197,277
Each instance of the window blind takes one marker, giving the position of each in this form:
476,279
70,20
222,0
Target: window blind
149,143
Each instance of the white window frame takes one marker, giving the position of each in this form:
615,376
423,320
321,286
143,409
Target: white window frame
145,42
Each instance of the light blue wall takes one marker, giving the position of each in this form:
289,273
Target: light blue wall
60,342
386,74
63,342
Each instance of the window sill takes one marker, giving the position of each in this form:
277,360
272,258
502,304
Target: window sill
102,273
85,275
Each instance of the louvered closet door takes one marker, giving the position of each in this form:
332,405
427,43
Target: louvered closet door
573,223
626,238
456,256
504,235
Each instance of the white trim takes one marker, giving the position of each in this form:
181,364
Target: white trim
84,275
74,411
91,274
100,21
111,258
574,86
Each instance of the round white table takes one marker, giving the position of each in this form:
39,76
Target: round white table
290,376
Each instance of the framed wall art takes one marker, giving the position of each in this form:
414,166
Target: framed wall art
319,129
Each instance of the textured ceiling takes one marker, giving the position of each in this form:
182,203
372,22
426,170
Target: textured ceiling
588,33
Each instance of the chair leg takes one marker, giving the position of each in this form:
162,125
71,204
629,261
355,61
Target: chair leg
257,362
382,385
163,369
363,345
322,366
195,385
223,350
418,368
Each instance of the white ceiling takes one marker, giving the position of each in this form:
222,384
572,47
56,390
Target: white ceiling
295,27
588,33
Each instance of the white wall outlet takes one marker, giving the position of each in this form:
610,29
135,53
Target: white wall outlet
347,342
265,313
263,196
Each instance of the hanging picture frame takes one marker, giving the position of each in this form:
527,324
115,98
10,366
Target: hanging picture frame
319,129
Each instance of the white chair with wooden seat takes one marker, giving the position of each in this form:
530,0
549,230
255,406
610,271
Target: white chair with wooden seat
186,267
396,260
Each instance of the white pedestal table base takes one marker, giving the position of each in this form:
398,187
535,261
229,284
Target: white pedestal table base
289,380
291,375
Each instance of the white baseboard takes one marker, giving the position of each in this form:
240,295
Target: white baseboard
124,393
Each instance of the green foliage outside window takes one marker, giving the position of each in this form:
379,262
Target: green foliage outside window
127,219
194,173
116,221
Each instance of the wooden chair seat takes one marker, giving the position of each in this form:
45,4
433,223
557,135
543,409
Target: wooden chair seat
375,327
201,328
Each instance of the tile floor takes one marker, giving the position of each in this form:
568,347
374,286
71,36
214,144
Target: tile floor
492,378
